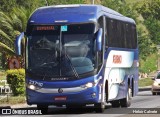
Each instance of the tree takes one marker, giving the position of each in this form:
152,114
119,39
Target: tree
151,13
7,5
128,9
11,24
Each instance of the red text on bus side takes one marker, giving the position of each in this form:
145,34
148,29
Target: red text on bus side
117,59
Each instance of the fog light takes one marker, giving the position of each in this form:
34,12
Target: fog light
93,95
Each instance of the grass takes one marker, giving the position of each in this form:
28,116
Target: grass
2,77
150,64
13,100
145,82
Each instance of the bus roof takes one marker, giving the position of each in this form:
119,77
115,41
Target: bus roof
74,14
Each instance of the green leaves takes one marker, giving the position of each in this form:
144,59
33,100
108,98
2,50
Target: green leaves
150,8
16,79
5,48
11,25
150,11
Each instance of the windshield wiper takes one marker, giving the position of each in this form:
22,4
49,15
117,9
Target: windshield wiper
71,65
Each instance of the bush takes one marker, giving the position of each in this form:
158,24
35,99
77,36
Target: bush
16,79
149,65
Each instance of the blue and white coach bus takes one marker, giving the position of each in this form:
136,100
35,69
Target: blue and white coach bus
78,55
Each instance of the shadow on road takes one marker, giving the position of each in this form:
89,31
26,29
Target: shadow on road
86,110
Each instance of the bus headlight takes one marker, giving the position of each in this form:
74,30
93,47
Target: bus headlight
88,85
33,87
91,84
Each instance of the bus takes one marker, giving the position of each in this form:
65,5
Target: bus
78,55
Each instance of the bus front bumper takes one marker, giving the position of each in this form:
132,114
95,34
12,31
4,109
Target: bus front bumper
87,96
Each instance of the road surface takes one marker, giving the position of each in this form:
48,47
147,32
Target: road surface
140,103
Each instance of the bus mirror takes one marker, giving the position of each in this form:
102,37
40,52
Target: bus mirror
18,43
99,40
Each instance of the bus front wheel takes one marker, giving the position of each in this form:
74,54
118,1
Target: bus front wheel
43,108
99,107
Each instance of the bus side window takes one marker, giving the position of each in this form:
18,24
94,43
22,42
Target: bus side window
110,32
107,33
121,34
100,53
125,33
130,37
134,36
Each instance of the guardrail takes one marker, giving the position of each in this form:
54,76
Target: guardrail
5,90
147,88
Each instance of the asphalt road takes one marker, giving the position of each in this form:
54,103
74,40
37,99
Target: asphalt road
142,103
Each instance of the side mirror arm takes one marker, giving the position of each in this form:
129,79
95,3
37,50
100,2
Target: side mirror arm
99,39
18,43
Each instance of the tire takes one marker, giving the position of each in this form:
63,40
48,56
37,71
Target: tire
153,93
115,104
43,108
99,107
71,107
126,102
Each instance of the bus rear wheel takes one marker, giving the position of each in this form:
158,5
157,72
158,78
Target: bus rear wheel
154,93
126,102
115,104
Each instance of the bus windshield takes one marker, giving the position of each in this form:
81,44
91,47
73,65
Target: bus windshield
61,51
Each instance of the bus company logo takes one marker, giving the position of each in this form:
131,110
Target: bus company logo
60,90
117,59
6,111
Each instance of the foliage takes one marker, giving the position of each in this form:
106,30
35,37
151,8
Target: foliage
2,74
16,79
129,10
145,82
13,100
149,9
11,25
15,13
149,65
57,2
7,5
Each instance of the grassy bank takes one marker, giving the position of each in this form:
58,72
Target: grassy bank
13,100
2,77
145,82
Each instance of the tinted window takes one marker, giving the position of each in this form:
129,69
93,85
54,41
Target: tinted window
120,34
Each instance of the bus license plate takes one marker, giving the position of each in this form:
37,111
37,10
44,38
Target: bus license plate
60,98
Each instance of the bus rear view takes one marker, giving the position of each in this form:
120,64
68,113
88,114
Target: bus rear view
65,57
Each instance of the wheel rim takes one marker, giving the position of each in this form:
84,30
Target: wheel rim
129,96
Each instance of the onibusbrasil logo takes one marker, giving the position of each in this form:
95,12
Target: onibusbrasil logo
21,112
